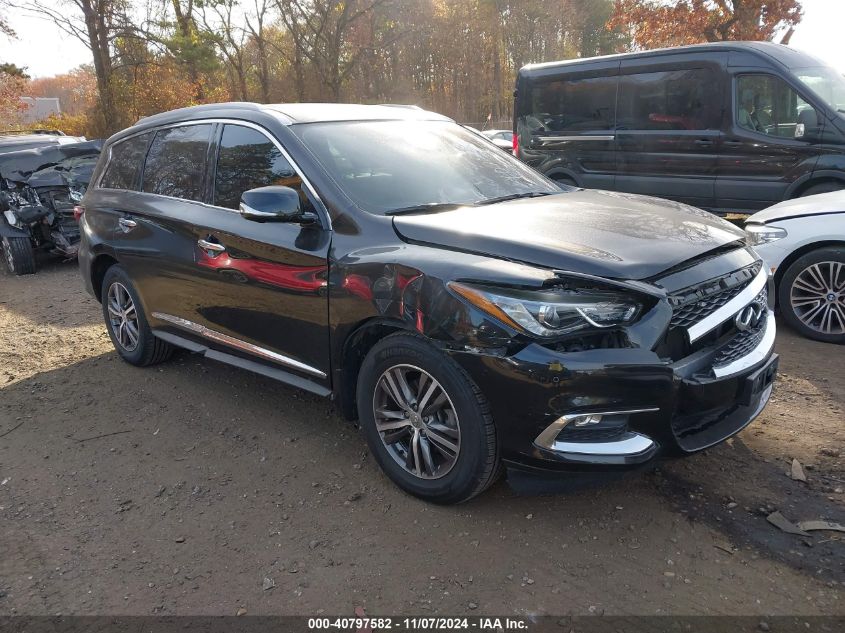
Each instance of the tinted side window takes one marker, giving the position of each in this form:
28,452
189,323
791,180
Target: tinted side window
766,104
673,100
572,105
125,160
248,159
176,162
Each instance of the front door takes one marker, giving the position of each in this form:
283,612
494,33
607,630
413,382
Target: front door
265,283
762,155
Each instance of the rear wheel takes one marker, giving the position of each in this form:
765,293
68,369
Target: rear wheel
823,187
811,295
564,180
18,255
427,424
127,324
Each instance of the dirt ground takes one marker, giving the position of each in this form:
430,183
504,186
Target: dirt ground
196,488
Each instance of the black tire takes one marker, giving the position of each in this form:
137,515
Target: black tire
477,464
823,187
564,180
790,313
18,255
148,350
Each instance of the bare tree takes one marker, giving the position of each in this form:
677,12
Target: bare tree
222,27
97,24
320,30
255,25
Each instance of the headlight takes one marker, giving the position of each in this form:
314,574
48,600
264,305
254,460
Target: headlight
756,234
551,312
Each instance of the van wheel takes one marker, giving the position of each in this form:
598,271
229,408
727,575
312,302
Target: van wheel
18,255
811,295
823,187
565,180
127,324
427,424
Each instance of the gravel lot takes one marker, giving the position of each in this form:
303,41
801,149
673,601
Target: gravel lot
196,488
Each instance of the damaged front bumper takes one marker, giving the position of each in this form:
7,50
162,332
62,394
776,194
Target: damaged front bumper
617,409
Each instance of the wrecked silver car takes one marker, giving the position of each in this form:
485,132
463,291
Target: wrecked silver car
39,189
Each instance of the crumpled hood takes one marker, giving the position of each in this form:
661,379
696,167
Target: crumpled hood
820,204
614,235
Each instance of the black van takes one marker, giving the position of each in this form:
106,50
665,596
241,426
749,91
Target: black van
727,127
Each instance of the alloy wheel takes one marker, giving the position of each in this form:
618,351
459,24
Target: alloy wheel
417,421
818,297
123,318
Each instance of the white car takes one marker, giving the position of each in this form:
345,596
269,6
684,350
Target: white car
803,242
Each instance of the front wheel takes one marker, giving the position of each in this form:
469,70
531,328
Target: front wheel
811,295
427,424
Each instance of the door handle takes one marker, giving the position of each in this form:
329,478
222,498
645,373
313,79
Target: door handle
733,143
126,224
703,142
211,246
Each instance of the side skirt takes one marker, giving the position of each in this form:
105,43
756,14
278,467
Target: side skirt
243,363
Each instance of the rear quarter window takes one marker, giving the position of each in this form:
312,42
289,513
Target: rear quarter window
124,163
176,162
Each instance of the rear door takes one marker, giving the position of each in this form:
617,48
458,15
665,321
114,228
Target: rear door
152,240
669,116
111,198
762,157
567,120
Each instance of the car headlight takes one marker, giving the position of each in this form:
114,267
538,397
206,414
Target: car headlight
551,312
756,234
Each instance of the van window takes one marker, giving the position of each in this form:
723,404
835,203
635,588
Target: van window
671,100
176,162
572,105
125,160
248,159
766,104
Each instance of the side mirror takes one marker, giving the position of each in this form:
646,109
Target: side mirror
274,204
808,124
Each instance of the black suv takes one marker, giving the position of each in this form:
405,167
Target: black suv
730,126
466,310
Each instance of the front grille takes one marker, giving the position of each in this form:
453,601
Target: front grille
741,344
694,303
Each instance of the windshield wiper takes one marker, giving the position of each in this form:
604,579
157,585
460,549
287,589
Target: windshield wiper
431,207
515,196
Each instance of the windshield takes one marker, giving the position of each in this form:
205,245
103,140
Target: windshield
386,166
825,82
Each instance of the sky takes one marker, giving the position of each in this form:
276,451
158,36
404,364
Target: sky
45,50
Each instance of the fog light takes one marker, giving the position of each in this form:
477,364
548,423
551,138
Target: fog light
584,420
606,420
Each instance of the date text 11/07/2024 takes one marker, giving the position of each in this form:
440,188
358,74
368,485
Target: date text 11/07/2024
373,624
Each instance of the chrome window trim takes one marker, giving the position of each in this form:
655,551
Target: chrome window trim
718,316
585,137
546,439
322,210
755,355
237,343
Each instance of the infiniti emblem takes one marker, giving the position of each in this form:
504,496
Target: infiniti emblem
749,317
